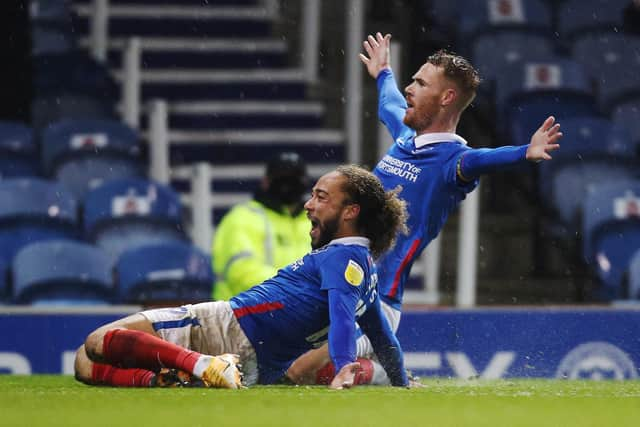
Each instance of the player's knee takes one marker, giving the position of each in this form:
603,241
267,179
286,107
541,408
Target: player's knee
83,366
93,345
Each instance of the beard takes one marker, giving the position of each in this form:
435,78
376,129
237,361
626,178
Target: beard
417,121
327,233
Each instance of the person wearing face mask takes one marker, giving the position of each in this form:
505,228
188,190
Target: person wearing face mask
256,238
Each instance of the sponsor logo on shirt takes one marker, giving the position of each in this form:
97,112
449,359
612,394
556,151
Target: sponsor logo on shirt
353,274
399,168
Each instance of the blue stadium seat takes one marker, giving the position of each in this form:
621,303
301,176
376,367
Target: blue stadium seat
580,17
592,150
47,109
60,272
627,114
491,52
47,40
164,273
72,72
17,151
612,61
528,92
33,210
611,232
50,11
633,288
82,154
127,213
487,16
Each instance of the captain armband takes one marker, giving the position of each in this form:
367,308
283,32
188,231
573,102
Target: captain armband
459,171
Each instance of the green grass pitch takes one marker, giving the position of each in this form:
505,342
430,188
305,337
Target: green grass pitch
41,400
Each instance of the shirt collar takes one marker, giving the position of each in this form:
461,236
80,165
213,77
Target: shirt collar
352,240
432,138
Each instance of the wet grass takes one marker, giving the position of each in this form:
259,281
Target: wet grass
58,400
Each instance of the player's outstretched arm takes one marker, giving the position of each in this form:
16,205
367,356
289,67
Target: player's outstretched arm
544,141
378,54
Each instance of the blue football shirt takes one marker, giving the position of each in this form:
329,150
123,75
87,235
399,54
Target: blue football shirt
425,169
317,299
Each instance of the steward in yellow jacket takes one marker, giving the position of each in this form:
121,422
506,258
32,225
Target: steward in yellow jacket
256,238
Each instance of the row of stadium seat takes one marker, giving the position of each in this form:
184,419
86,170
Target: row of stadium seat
115,216
66,272
80,154
611,237
576,60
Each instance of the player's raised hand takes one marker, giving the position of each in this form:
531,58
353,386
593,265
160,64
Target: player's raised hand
544,141
378,53
346,376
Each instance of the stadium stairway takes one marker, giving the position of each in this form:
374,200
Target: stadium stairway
234,99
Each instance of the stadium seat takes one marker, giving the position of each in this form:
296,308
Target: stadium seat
32,210
633,285
580,17
164,273
627,114
128,213
611,232
17,151
593,150
59,272
82,154
47,109
528,92
611,60
71,85
51,40
487,16
492,51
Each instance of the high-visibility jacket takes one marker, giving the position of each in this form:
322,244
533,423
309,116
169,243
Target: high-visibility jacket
252,242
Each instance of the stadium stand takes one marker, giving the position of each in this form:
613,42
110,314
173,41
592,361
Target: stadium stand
611,233
18,150
579,17
594,150
489,16
627,114
127,213
234,97
528,92
167,273
82,154
611,60
71,85
51,27
633,277
32,210
60,272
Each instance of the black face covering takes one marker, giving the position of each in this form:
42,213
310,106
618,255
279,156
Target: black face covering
287,189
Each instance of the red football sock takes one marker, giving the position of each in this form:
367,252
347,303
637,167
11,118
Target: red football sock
363,376
325,374
119,377
135,349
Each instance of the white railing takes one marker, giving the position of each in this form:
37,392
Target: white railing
99,30
131,82
201,200
354,22
310,39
